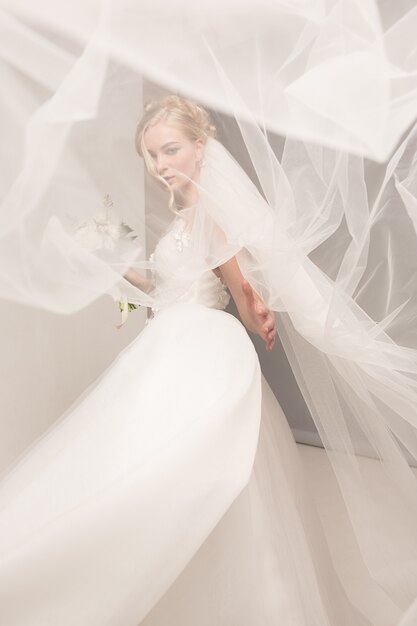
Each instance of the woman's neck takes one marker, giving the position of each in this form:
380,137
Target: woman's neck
187,199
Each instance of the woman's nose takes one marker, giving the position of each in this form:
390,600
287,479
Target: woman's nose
160,163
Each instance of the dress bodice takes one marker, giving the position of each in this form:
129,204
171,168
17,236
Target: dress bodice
174,282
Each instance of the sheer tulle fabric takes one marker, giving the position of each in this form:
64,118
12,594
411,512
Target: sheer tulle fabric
317,103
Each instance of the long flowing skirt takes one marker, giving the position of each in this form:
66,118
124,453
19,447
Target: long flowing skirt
173,493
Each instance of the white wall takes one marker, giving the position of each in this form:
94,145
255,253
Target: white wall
47,360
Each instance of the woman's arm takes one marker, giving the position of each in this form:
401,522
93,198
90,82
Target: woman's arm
253,312
137,279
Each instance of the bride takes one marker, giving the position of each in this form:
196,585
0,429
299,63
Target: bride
171,137
172,493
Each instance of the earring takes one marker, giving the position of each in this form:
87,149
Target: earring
202,162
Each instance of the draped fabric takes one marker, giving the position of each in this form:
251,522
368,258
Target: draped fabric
312,183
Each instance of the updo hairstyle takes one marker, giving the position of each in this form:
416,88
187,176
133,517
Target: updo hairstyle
193,120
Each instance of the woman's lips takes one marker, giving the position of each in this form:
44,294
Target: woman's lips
169,178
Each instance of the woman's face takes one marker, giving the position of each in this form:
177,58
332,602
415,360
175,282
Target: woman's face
174,154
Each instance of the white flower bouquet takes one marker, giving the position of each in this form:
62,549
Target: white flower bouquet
105,232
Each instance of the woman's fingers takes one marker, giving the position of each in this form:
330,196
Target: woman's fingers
270,339
269,334
261,307
269,325
267,329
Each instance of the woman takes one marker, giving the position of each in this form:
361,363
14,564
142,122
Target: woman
171,137
161,497
157,500
266,561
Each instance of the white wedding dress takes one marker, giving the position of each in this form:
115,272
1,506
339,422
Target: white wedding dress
172,493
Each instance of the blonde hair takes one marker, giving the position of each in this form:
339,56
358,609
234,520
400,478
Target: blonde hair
191,118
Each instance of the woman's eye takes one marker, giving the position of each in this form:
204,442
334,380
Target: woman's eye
172,150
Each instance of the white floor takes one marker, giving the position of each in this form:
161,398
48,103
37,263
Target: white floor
338,534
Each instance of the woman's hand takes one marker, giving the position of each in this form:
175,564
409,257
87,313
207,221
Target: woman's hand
258,317
253,311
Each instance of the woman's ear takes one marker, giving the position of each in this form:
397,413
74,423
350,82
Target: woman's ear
199,149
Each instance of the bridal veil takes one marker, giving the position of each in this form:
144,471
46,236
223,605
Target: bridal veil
312,182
